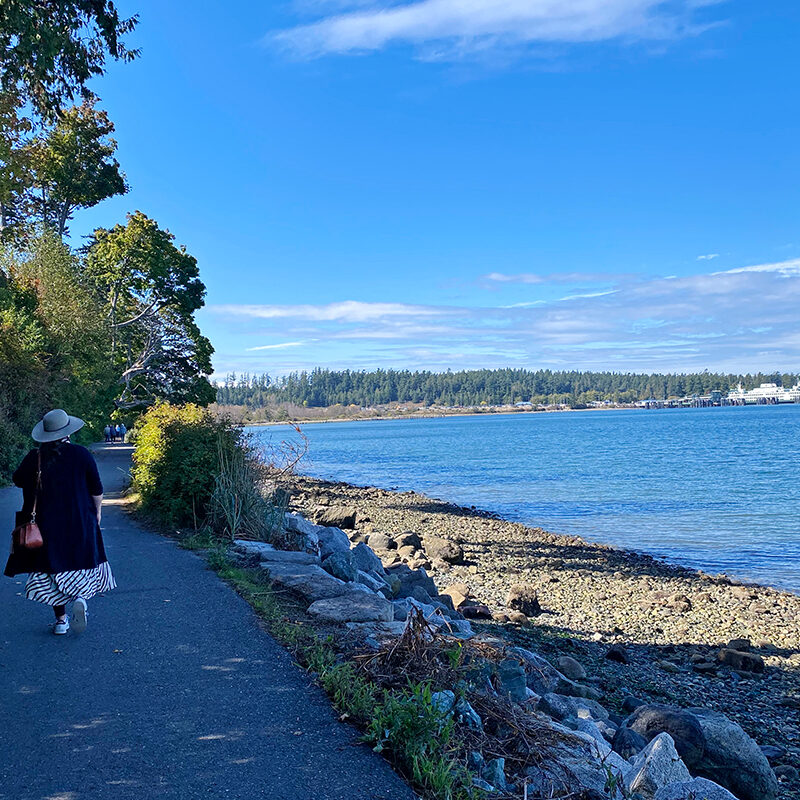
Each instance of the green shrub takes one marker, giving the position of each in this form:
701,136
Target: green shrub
177,461
238,507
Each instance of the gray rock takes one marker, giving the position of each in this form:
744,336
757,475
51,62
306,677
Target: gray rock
618,653
332,540
575,767
374,583
696,789
337,517
543,677
511,680
475,761
627,742
570,668
495,773
652,719
444,702
468,716
737,659
308,580
480,783
299,524
289,557
341,565
590,726
252,548
631,703
381,541
354,606
377,630
438,547
366,559
657,766
408,539
562,707
525,598
419,593
732,759
410,578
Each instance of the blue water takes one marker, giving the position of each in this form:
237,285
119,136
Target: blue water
716,489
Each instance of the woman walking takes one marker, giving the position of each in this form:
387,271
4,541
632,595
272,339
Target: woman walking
61,487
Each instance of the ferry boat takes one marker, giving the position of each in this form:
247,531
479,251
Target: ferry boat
767,393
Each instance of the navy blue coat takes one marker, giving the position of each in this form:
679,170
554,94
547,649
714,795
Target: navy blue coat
65,512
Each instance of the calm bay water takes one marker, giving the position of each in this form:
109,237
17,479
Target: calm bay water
717,488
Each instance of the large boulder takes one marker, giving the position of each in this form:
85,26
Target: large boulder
657,766
408,539
252,548
654,718
525,598
695,789
341,565
366,559
627,742
337,517
578,765
437,547
561,707
381,541
307,531
289,557
308,580
511,680
409,579
732,759
570,668
354,606
332,540
543,677
740,660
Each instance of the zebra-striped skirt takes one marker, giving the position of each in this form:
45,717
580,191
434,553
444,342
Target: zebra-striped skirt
64,587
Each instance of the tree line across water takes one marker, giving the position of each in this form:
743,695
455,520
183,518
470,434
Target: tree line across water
105,329
323,387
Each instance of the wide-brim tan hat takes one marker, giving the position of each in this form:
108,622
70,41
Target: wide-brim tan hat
55,425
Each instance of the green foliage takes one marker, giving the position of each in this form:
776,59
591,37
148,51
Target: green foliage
50,50
72,166
150,290
52,346
176,461
323,387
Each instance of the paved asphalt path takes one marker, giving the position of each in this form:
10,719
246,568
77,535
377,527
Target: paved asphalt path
172,692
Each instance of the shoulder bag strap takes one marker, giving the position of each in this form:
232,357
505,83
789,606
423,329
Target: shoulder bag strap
38,484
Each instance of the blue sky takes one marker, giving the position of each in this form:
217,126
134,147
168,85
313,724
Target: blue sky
471,183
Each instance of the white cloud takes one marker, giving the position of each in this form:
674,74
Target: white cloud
708,257
280,346
472,25
742,319
347,311
787,269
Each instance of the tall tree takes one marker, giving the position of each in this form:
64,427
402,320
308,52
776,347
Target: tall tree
151,289
49,49
72,166
14,167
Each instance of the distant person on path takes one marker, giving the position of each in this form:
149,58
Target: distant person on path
113,428
121,431
63,480
107,433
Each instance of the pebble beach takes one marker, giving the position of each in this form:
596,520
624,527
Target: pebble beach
671,623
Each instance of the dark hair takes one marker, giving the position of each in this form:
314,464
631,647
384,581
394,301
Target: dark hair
51,451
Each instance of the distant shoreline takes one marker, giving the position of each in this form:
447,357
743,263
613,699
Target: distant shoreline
437,416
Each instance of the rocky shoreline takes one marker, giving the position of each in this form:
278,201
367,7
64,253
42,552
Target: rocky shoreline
639,627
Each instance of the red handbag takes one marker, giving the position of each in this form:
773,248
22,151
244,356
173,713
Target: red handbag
28,536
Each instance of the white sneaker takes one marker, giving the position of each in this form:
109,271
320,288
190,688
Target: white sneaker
79,615
61,626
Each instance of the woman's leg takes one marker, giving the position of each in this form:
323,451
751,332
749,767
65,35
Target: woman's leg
60,612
